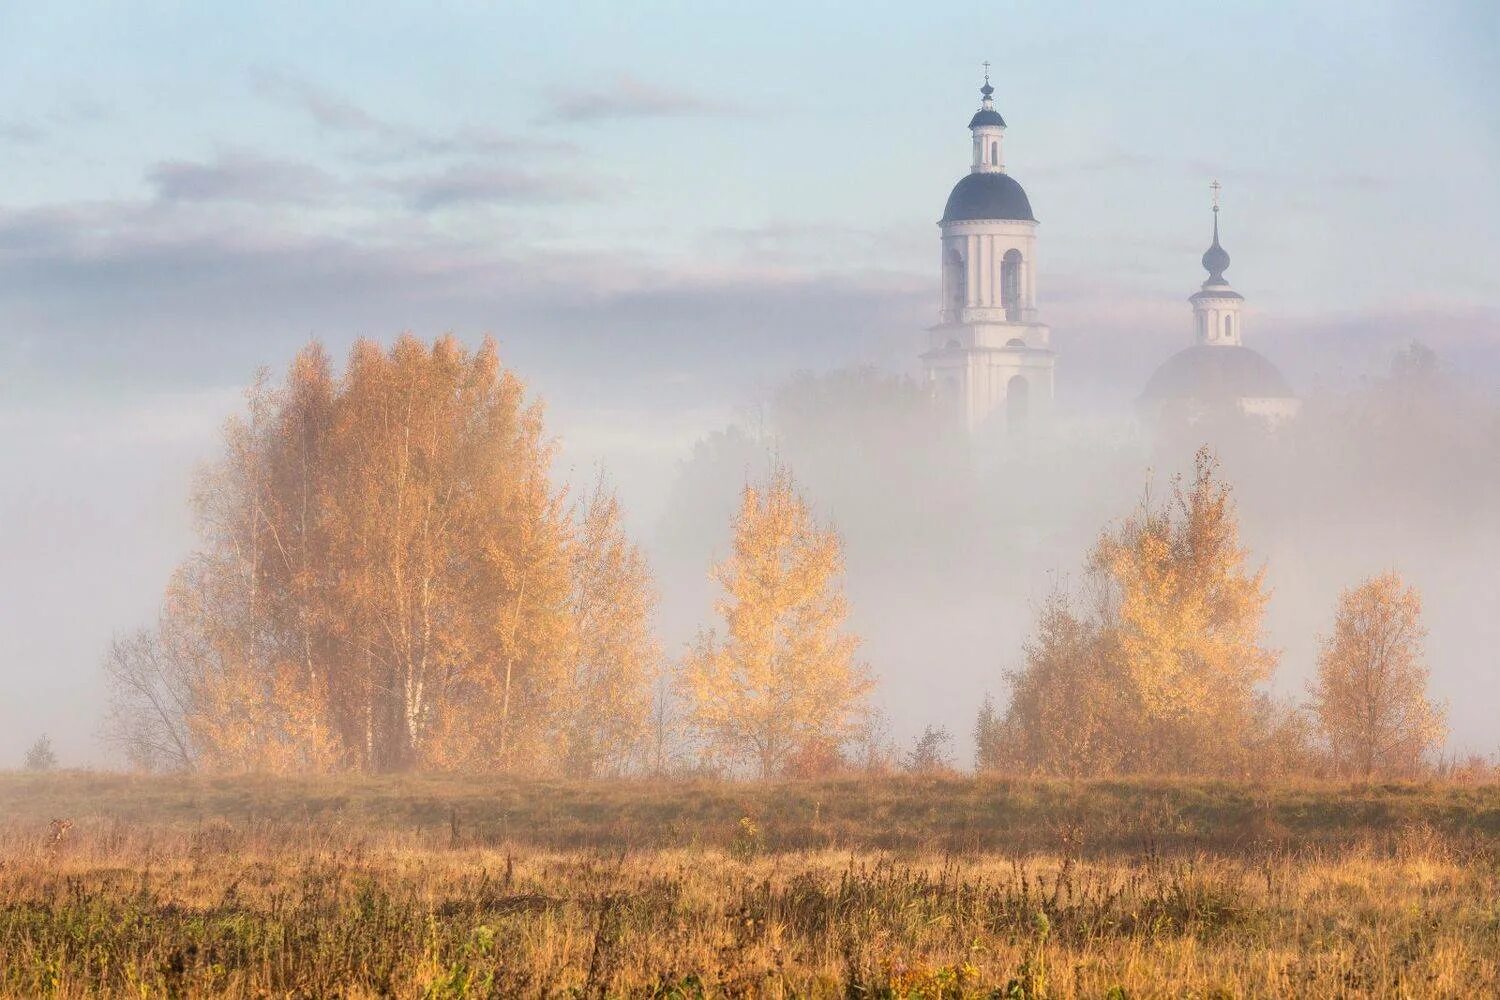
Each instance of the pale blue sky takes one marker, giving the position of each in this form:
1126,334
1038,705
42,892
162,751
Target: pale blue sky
662,209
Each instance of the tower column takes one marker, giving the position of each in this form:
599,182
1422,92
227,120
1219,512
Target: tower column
971,244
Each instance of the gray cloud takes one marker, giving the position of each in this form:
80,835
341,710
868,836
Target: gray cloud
474,184
20,132
176,296
58,120
384,141
629,97
92,290
240,177
327,109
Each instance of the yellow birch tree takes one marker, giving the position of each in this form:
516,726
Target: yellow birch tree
1370,694
783,674
1189,623
1160,669
613,653
383,580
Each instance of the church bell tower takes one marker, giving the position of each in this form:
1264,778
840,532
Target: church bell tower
988,362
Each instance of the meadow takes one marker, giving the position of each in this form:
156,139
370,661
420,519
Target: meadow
440,886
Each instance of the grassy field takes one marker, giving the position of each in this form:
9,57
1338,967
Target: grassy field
449,887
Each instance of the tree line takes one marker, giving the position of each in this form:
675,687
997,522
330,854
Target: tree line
387,577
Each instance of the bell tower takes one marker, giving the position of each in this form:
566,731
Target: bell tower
988,362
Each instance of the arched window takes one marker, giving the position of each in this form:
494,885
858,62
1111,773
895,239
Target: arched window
1203,326
1228,327
994,154
1010,284
955,281
1017,402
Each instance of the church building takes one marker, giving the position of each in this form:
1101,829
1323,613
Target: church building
1218,375
988,362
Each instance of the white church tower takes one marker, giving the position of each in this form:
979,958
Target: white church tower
988,361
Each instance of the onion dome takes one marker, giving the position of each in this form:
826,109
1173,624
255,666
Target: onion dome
1216,258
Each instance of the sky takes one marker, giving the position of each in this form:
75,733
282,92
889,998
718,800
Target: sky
661,211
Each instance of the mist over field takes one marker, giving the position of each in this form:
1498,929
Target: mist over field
683,266
943,502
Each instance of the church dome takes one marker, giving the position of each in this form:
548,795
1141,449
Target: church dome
986,116
1217,372
1216,260
990,195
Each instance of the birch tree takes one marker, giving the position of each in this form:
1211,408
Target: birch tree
384,580
783,671
1370,695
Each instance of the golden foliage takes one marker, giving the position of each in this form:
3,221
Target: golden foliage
1189,623
1370,694
613,655
1070,711
387,579
784,673
1159,672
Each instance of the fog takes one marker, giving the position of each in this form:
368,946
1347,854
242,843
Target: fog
692,273
952,544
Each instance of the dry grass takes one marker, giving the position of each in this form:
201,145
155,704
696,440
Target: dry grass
470,887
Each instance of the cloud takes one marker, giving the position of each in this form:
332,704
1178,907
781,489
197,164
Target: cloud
59,120
629,97
328,110
175,293
239,177
384,141
21,132
175,300
483,184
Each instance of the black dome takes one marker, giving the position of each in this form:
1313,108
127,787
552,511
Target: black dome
1217,372
1216,261
988,196
986,116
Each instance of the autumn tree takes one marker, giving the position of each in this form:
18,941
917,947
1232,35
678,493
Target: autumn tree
387,577
783,673
1157,666
1189,615
612,654
989,738
1370,694
1071,713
